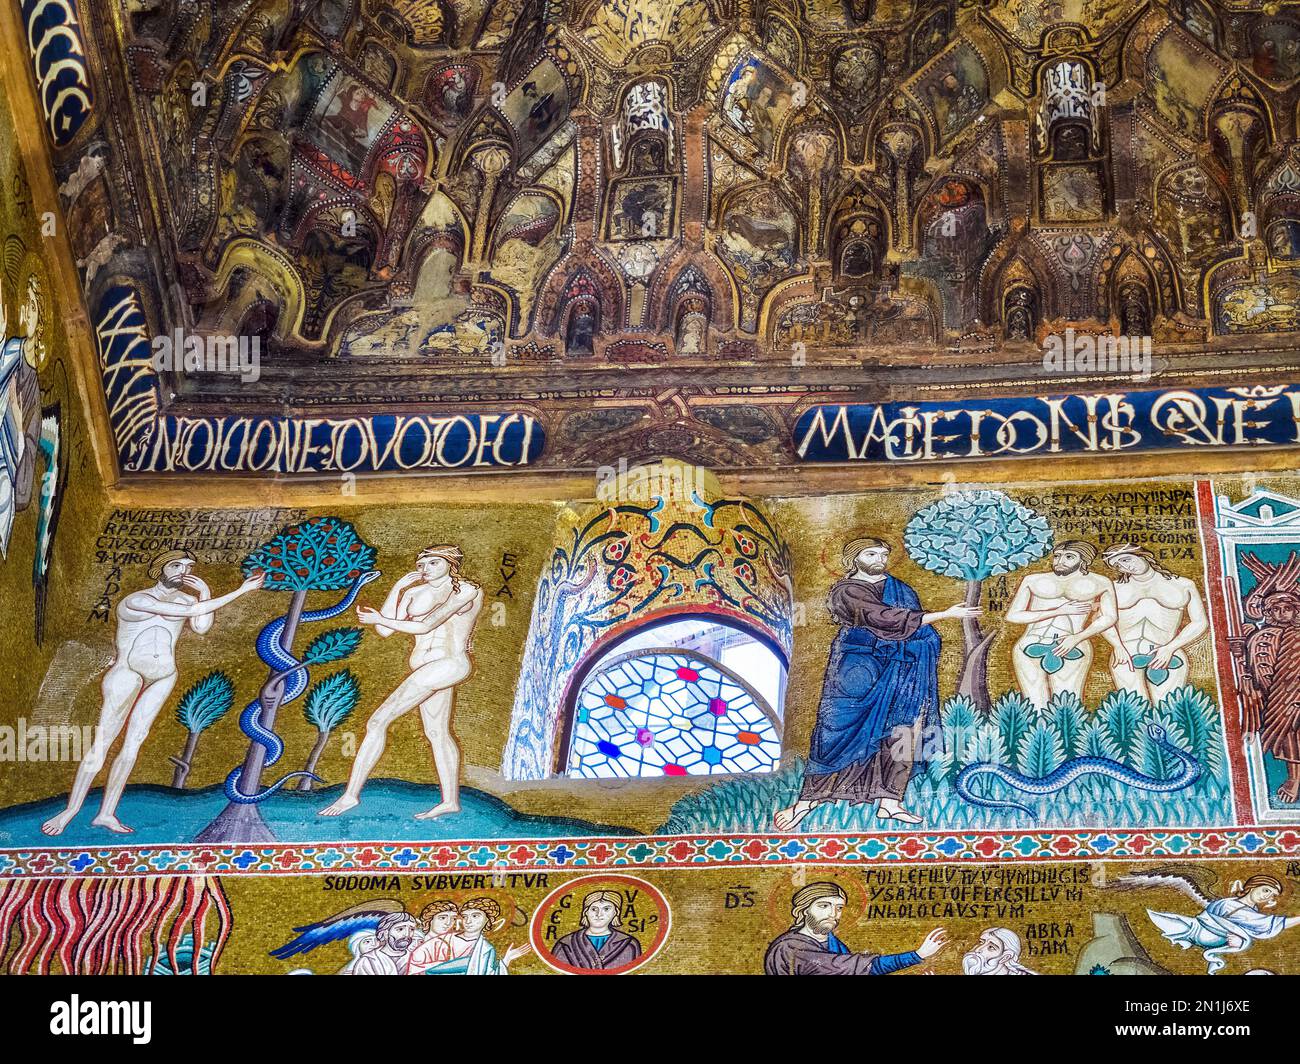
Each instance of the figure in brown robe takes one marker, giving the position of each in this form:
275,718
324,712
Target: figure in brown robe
1272,668
594,953
598,945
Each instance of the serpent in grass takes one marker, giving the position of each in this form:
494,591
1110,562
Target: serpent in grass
1189,771
293,675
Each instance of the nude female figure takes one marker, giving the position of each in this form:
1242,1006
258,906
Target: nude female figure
439,608
1160,615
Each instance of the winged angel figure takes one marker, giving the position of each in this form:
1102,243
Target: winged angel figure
1224,925
385,939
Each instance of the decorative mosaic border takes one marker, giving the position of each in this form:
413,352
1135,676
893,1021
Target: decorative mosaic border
1217,585
663,851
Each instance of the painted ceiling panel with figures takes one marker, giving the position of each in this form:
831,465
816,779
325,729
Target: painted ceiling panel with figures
529,204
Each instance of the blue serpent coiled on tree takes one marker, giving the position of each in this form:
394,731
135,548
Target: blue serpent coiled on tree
295,680
1188,773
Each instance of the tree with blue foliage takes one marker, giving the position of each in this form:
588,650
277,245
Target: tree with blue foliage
318,554
971,536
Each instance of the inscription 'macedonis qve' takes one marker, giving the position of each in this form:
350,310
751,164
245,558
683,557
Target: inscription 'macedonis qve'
1045,425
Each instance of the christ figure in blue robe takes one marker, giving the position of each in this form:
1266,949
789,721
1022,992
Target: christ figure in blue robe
880,697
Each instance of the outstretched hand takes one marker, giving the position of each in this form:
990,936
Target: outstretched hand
513,953
962,612
935,941
253,582
369,615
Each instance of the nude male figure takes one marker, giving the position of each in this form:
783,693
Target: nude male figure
1063,609
142,674
1160,614
439,608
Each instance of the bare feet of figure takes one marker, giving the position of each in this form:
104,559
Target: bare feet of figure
788,819
441,809
341,806
56,824
107,820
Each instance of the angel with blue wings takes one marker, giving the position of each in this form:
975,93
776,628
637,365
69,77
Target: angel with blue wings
1224,925
385,939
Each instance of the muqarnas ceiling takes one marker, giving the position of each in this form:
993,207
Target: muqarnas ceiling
465,191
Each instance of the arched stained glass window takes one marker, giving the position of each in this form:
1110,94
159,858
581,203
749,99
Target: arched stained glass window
664,572
668,711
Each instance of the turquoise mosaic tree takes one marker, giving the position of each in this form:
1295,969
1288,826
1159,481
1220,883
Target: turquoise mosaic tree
970,536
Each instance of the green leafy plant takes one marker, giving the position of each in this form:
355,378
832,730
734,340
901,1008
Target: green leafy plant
961,721
329,703
1096,742
1068,718
1122,713
1156,761
1040,751
1014,714
1195,723
334,645
748,803
200,707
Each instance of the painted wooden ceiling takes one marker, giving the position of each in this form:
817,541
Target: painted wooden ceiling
585,206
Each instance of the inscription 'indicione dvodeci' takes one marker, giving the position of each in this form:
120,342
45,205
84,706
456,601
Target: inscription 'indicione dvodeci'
375,443
152,440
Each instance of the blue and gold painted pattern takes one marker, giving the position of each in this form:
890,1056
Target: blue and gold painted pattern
57,47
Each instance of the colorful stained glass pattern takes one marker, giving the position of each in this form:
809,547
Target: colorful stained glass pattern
669,713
